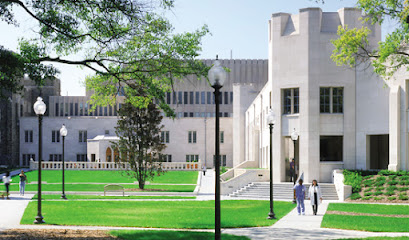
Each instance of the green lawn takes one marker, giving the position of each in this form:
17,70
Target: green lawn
174,235
368,223
87,176
370,208
159,214
75,197
100,187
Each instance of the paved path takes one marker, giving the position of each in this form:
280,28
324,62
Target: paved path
12,210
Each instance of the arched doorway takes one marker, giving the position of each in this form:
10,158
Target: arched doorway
109,154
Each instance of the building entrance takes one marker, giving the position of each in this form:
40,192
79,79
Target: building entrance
290,154
378,151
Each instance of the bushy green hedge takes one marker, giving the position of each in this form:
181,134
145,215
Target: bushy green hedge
354,179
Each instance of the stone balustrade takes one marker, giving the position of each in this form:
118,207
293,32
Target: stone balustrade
166,166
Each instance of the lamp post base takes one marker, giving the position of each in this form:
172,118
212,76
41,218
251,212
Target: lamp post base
63,196
39,220
271,215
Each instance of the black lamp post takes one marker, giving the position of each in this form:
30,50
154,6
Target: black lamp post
39,109
217,76
271,122
63,133
294,137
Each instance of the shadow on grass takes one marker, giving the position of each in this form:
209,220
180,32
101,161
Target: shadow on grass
174,235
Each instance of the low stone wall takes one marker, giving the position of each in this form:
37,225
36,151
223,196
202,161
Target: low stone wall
343,191
247,176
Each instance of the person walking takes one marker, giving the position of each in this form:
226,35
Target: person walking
204,170
292,170
314,193
23,180
6,181
300,196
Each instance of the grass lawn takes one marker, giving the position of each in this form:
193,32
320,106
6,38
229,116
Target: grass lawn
75,187
159,214
368,223
370,208
74,197
174,235
88,176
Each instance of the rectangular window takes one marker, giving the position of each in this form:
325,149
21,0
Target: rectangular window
174,100
226,114
221,136
197,97
179,97
27,158
231,97
76,109
202,97
185,114
226,97
57,107
85,109
191,98
61,109
165,136
55,136
287,101
331,100
291,102
110,110
331,148
325,100
192,158
81,157
66,109
190,114
209,98
221,97
185,101
28,136
105,111
192,137
82,136
81,109
223,159
338,100
168,98
71,109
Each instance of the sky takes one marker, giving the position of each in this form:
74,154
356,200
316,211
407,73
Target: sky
237,26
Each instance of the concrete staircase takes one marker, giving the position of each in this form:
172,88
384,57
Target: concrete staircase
281,191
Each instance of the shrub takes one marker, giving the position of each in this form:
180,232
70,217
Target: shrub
368,194
381,178
380,183
391,188
368,183
403,197
355,196
378,198
392,177
393,182
392,198
404,178
367,198
368,189
403,189
377,193
353,179
367,177
379,188
389,193
403,183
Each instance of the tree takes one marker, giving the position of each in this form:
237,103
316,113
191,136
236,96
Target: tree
125,42
140,142
391,54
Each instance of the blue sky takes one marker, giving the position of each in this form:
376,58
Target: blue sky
239,26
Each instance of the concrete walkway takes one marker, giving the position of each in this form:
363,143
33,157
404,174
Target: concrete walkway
12,210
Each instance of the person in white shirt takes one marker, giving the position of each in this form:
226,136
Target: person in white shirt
314,193
6,181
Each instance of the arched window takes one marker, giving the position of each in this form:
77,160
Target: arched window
116,155
109,154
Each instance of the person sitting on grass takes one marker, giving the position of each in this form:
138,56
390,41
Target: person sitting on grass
300,196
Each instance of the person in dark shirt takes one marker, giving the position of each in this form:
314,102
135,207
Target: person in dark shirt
23,180
292,170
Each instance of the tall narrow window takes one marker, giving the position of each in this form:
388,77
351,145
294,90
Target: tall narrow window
203,98
231,97
221,136
226,97
287,101
71,109
325,100
180,97
66,109
197,97
82,136
191,98
168,98
174,99
192,137
61,109
338,100
55,136
165,136
209,97
185,100
57,107
81,109
85,109
28,136
76,109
